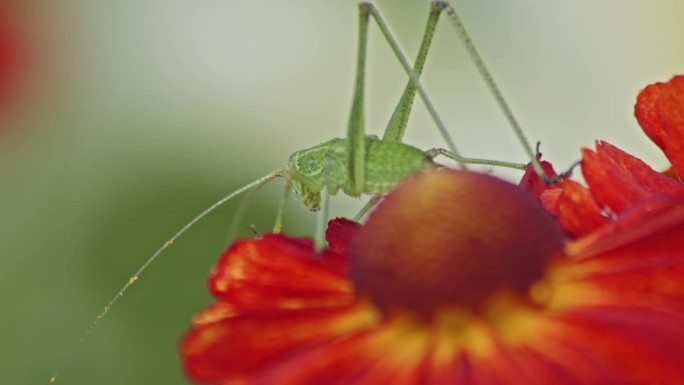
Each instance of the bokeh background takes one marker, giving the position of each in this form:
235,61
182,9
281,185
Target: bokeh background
120,120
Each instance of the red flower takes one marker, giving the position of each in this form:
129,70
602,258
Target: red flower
457,278
531,181
660,112
620,183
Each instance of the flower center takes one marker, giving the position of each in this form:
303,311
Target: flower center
452,238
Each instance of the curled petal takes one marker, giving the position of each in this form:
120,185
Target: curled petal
646,113
660,112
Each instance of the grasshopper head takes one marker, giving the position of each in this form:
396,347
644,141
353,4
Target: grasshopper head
306,169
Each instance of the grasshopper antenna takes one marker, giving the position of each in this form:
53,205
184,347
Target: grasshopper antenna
493,88
253,185
240,212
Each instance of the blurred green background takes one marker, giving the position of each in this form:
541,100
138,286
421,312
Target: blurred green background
147,111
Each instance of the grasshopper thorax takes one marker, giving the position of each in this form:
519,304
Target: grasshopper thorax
327,165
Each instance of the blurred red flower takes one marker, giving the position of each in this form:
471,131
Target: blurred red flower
20,53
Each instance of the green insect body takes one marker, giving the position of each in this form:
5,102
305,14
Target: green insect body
327,166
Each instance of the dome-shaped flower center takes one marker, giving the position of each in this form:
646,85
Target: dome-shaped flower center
452,238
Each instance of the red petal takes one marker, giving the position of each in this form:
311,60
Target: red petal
340,233
241,349
277,272
672,173
577,211
388,354
671,114
549,199
525,366
638,261
621,345
532,182
660,112
619,180
647,115
644,223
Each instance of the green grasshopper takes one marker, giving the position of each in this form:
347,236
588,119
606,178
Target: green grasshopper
359,163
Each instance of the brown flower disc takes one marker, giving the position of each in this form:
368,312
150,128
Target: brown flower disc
451,237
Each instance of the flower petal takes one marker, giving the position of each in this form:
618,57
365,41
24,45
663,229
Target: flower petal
638,260
641,223
241,348
615,307
391,353
340,233
279,272
620,345
660,112
577,211
531,181
619,180
646,113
